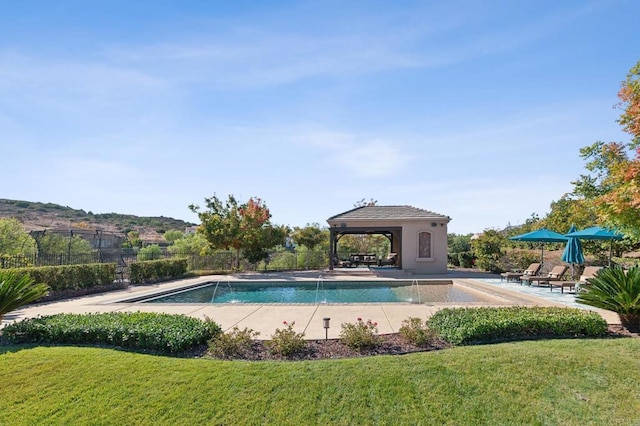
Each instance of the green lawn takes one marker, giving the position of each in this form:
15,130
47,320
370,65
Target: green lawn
545,382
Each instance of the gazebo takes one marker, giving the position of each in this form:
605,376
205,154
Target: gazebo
418,236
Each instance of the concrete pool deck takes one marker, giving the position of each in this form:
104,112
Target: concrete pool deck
308,318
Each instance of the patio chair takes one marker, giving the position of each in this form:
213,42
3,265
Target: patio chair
580,285
341,263
588,273
556,274
391,259
533,269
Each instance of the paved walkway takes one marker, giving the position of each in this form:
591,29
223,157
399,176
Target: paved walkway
308,318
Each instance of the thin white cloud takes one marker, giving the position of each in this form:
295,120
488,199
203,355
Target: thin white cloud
358,155
241,58
373,159
24,71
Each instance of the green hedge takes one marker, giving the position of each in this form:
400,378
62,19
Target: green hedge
143,331
461,326
72,277
157,270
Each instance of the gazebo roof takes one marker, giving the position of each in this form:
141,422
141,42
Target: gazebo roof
387,213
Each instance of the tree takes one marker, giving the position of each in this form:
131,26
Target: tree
612,188
629,96
242,227
172,235
133,240
51,244
488,250
569,211
365,203
18,290
193,244
364,243
310,236
14,240
267,237
459,250
532,223
150,252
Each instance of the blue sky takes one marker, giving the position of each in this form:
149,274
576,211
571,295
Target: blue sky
473,109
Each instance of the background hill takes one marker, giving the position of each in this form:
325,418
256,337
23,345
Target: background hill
36,215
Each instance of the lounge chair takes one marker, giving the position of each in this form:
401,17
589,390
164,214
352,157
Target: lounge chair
580,285
556,274
533,269
588,273
571,285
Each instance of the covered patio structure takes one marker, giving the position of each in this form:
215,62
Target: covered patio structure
419,237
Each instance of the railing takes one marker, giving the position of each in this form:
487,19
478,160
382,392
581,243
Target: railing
56,259
221,260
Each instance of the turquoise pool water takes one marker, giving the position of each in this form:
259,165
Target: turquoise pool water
325,292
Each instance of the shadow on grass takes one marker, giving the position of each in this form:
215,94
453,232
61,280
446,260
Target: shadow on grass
8,348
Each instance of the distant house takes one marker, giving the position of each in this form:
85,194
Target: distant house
190,230
418,236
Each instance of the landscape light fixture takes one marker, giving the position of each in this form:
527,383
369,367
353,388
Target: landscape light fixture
325,322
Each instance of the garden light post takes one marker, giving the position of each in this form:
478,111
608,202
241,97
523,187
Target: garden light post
325,322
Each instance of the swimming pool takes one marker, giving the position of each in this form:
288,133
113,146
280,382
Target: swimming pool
288,292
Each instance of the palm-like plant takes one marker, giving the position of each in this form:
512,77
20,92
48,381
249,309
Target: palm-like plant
18,290
616,290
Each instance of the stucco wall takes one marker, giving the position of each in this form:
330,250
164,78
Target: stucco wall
437,263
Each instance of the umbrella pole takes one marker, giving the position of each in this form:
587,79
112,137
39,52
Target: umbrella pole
573,272
610,252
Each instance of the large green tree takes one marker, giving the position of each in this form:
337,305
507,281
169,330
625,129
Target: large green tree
487,249
310,236
14,240
569,211
192,244
243,227
172,235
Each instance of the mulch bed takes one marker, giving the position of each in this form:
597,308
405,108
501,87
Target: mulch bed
619,331
392,344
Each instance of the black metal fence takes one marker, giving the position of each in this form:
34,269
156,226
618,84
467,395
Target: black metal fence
217,261
56,259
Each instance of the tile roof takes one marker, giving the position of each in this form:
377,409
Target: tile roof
386,213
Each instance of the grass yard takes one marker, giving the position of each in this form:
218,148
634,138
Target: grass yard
590,381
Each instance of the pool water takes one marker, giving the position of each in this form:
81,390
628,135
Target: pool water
323,292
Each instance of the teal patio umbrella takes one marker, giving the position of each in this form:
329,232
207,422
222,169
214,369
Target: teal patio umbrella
542,236
598,233
573,251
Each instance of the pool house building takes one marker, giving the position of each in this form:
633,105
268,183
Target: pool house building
418,237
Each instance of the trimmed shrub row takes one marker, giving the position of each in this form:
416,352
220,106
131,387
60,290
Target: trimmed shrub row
156,270
462,326
71,277
142,331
